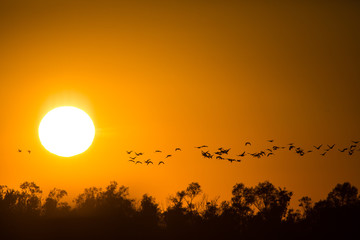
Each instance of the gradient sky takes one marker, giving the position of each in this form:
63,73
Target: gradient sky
165,74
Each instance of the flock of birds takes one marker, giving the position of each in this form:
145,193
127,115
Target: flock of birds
20,150
223,153
135,157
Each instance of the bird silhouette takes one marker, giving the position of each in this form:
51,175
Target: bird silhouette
231,160
29,151
138,162
206,154
148,162
331,147
161,162
168,156
225,151
323,154
204,146
128,152
356,142
19,150
270,154
139,154
177,149
248,143
219,157
241,155
158,151
270,140
131,160
343,150
318,148
291,147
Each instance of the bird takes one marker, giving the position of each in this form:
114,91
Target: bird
356,142
161,162
331,147
148,162
139,154
318,148
158,151
231,160
270,140
269,150
291,147
128,152
352,146
177,149
241,155
169,155
204,146
248,143
275,148
131,160
309,151
19,150
219,157
225,151
29,151
206,154
138,162
270,154
343,150
323,154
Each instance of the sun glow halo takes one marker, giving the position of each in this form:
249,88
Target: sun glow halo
66,131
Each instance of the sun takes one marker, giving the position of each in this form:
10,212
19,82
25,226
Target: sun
66,131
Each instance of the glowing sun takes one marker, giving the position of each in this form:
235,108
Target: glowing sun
66,131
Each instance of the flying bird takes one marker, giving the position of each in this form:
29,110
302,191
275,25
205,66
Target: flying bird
139,154
29,151
128,152
219,157
158,151
323,154
225,151
248,143
206,154
343,150
231,160
168,156
318,148
138,162
270,154
131,160
19,150
331,147
356,142
241,155
177,149
161,162
270,140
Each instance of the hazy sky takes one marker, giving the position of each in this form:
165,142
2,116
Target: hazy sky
165,74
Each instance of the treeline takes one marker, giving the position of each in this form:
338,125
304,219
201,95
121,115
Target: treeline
260,212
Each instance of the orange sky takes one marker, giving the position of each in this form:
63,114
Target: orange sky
165,74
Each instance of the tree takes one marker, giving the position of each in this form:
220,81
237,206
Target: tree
53,206
342,195
271,202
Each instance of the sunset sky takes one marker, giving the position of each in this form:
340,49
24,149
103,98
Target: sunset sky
166,74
